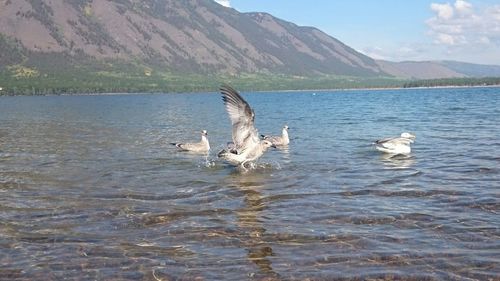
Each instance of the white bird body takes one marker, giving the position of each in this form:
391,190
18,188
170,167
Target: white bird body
249,155
246,146
199,147
279,140
396,145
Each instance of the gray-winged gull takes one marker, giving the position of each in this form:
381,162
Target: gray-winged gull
396,145
279,140
202,146
246,146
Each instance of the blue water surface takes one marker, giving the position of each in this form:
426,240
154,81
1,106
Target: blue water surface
90,188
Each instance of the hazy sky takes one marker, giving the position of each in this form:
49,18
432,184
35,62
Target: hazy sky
398,30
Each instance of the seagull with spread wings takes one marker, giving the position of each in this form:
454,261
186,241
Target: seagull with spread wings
246,146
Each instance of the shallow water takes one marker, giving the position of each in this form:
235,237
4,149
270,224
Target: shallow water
91,189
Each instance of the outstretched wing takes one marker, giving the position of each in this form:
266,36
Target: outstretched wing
242,117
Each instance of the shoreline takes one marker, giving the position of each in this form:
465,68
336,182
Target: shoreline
382,88
264,91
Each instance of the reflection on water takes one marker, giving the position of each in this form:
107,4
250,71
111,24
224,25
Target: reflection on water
91,189
398,161
249,219
285,154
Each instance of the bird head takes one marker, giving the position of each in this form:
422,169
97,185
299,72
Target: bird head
408,136
268,144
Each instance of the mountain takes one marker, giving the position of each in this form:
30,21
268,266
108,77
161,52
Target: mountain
160,45
418,69
198,36
437,69
473,70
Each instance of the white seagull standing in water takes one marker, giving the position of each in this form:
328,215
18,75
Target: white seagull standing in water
200,147
246,146
279,140
396,145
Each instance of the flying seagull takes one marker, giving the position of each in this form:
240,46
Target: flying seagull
396,145
202,146
246,146
279,140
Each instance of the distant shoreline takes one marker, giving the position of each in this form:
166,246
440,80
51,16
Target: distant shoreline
388,88
2,92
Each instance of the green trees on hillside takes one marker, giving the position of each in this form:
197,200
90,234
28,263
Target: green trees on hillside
485,81
23,81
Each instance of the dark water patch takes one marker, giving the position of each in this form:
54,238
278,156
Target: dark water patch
300,196
402,193
399,179
153,219
139,196
55,216
387,119
489,157
457,108
360,220
51,239
487,204
151,250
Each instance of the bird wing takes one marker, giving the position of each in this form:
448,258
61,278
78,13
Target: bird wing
274,139
392,143
242,118
384,140
196,147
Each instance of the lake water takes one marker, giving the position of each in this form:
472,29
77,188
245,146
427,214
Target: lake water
91,189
